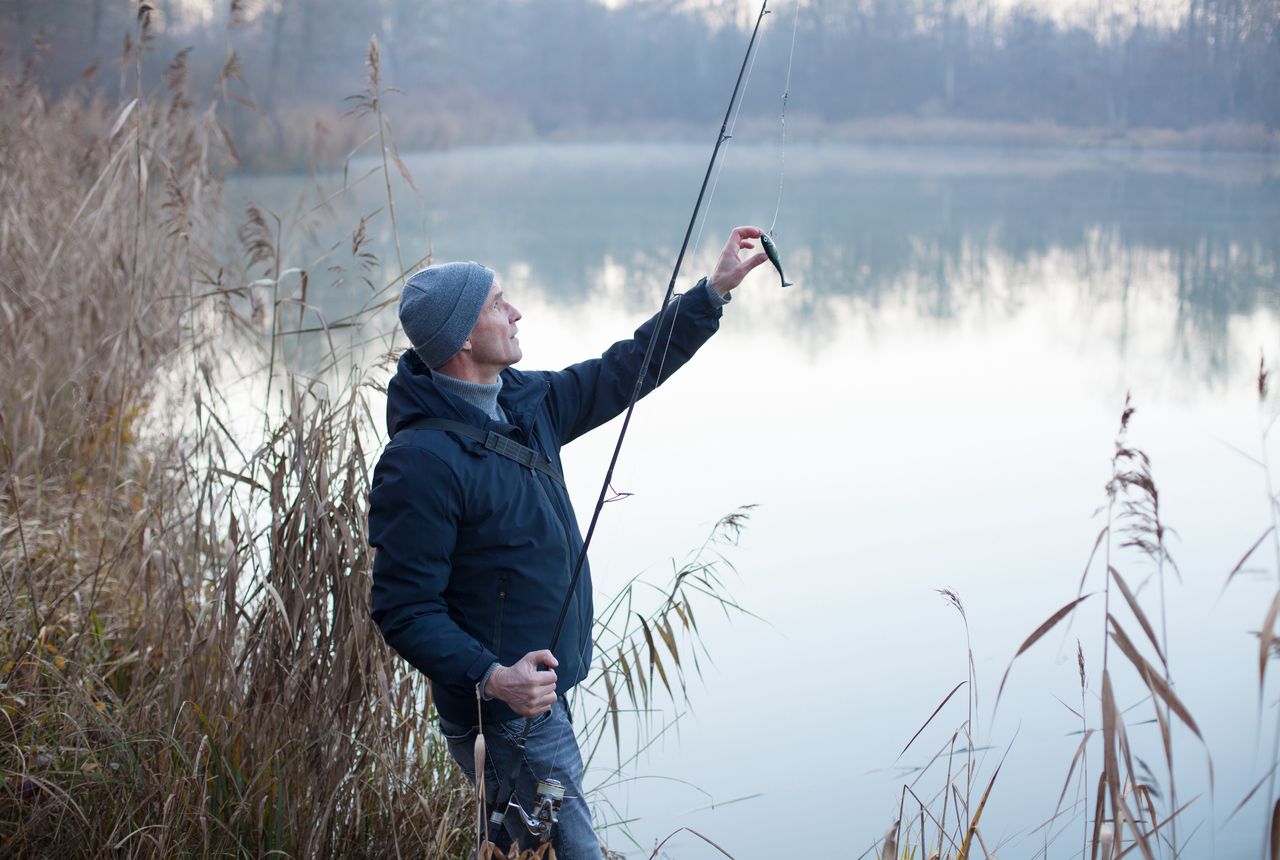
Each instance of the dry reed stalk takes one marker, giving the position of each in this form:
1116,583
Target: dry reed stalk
1126,792
1267,636
1126,819
369,102
950,802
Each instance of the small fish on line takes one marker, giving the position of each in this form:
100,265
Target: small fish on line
772,250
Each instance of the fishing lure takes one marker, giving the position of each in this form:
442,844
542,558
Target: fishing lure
772,250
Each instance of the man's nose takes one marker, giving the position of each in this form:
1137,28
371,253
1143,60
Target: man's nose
514,314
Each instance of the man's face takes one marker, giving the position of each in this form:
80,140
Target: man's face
494,344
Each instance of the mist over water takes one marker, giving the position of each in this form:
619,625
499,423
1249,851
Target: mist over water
933,405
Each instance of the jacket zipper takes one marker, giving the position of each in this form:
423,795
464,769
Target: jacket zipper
503,582
568,543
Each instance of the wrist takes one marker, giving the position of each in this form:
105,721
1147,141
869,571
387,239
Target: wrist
491,681
717,296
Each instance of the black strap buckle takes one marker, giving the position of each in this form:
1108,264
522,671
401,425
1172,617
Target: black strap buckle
494,441
512,450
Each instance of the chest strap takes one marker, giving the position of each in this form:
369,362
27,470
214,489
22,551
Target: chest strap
503,446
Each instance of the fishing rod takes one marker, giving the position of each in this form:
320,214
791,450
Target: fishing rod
550,793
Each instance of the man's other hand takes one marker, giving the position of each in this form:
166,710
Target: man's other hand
730,270
526,690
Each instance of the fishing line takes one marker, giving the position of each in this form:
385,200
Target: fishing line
715,183
786,92
506,791
733,126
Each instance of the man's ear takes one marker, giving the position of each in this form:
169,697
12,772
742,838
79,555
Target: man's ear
466,346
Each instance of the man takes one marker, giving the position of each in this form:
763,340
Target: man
475,545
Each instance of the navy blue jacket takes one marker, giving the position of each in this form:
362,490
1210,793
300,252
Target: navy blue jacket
475,551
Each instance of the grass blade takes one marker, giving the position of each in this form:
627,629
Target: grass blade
1097,542
655,659
1157,828
1245,557
1110,761
977,814
1036,636
1075,760
1155,683
1249,796
891,842
1275,832
1138,613
658,847
1099,799
1265,637
941,705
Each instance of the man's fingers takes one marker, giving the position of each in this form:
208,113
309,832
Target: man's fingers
745,266
538,703
753,232
544,657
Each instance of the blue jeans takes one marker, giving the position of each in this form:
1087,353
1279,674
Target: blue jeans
551,751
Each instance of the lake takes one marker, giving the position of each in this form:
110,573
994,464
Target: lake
933,405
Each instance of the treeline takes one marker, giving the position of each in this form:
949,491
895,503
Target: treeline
488,69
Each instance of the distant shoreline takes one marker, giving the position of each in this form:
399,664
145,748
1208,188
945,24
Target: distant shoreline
264,152
940,131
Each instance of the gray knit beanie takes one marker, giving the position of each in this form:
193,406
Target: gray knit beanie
439,308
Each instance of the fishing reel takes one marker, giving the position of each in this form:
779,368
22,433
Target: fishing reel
546,810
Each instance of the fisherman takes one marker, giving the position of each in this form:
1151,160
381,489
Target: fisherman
475,534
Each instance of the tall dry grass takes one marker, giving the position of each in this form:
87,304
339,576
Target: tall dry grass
1133,809
1124,808
189,666
1268,636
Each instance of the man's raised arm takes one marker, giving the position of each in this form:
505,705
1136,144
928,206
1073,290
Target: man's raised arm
587,394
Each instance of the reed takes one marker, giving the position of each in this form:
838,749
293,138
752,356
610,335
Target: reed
1133,811
189,662
1268,636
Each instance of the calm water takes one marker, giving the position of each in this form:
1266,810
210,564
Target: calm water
934,405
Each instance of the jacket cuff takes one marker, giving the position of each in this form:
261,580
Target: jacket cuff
717,300
484,681
481,665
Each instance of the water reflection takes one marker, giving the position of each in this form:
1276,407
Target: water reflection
941,237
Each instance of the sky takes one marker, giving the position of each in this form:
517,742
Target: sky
1064,11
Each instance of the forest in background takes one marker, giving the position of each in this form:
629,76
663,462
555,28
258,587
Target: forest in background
499,70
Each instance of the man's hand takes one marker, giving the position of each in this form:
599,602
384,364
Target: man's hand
528,691
729,269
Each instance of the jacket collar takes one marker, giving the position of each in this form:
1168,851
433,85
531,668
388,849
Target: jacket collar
413,394
521,395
